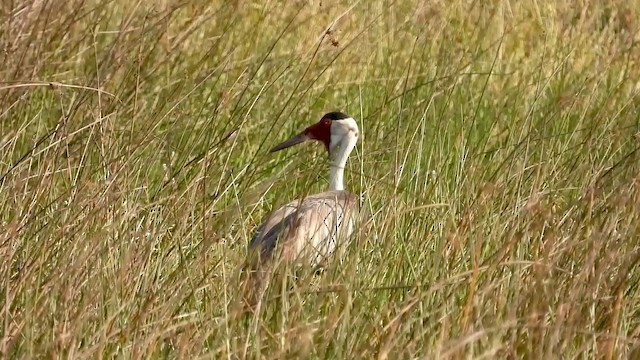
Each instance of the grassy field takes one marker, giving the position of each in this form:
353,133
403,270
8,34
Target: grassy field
498,159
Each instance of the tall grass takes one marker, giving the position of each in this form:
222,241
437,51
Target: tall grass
498,162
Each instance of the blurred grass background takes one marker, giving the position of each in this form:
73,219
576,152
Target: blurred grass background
498,160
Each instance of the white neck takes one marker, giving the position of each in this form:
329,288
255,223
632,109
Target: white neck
339,161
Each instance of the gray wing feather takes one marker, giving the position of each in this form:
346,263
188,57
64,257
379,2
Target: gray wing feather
307,230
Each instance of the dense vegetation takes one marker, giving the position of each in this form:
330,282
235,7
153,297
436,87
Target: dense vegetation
498,160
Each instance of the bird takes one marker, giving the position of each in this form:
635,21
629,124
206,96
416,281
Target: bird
309,231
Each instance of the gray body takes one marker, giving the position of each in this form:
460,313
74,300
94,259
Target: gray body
307,231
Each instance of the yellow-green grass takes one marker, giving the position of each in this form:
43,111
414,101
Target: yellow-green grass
498,160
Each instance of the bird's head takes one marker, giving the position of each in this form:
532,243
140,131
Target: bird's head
332,130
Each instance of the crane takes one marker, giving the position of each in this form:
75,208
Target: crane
310,230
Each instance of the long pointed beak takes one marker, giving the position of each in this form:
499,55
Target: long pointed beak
300,138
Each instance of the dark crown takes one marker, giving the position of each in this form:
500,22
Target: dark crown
336,115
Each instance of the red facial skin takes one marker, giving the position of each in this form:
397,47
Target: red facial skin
320,131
